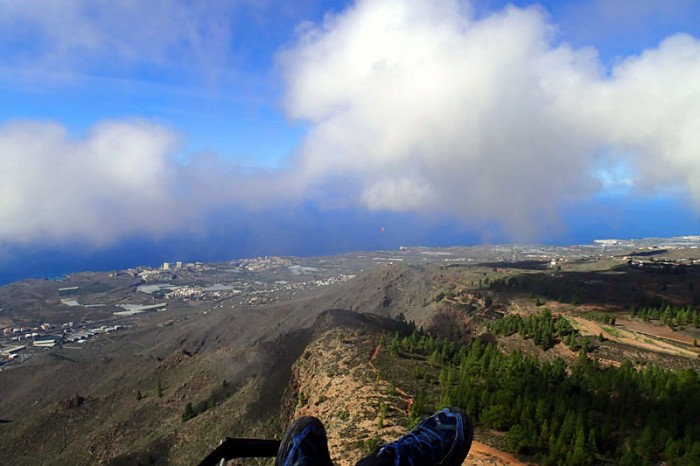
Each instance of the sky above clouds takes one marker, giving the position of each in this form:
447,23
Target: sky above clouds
168,129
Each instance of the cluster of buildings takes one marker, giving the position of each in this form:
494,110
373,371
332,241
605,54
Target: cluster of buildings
216,291
191,266
263,263
259,297
21,339
84,335
164,271
17,334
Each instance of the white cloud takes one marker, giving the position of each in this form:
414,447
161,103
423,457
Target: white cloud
651,107
413,105
116,181
121,178
429,109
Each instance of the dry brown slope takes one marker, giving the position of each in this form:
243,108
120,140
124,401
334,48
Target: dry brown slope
252,348
387,290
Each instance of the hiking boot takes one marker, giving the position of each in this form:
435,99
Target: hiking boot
304,444
442,439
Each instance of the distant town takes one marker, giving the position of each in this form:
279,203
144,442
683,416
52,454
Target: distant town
36,315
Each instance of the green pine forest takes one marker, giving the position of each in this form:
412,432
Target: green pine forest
550,412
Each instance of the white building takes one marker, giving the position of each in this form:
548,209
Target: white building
10,350
46,342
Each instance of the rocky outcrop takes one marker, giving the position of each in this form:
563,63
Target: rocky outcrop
335,382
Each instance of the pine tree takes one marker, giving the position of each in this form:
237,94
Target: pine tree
160,389
568,426
435,357
394,345
630,458
579,455
189,412
544,432
447,399
442,378
139,397
592,445
585,345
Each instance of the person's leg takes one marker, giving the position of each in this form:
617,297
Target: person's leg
304,444
442,439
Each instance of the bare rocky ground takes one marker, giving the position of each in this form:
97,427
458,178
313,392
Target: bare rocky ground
247,371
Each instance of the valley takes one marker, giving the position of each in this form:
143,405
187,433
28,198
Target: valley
156,365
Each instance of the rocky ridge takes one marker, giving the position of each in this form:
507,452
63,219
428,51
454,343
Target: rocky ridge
336,381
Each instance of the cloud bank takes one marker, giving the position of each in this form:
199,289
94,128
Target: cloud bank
117,180
428,109
413,106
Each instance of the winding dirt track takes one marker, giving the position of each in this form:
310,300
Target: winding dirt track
632,338
482,454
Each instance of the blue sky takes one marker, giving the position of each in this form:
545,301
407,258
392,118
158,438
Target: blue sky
139,132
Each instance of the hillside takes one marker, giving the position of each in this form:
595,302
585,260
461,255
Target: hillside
122,398
336,380
369,356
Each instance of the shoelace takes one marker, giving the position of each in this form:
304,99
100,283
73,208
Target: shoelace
416,445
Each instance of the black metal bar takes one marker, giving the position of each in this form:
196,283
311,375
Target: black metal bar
232,448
